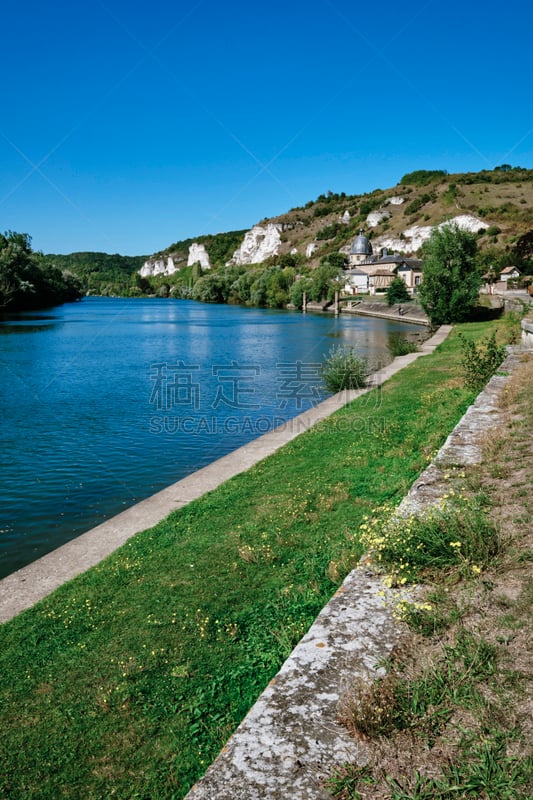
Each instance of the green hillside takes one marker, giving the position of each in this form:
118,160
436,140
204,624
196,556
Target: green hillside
500,199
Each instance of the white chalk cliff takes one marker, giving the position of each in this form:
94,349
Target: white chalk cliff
159,265
198,254
414,238
259,244
377,217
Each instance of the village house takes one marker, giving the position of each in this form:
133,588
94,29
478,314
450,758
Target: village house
509,273
499,282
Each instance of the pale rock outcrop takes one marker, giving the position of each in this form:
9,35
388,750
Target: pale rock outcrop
396,201
198,254
377,217
294,251
160,265
345,218
259,244
415,237
311,249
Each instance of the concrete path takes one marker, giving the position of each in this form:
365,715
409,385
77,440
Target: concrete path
27,586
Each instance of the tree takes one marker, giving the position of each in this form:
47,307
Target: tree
397,292
28,280
335,260
452,279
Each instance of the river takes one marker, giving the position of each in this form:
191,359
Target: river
106,401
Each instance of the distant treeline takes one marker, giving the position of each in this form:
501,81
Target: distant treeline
100,273
29,280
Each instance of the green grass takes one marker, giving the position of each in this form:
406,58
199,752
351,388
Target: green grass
128,680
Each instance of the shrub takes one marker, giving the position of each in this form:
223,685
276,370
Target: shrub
344,369
397,292
416,204
399,345
480,362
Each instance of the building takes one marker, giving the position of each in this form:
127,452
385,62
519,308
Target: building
380,270
509,273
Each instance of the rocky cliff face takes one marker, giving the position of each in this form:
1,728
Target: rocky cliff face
164,265
198,254
414,238
259,244
376,218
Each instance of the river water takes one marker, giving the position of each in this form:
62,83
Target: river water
106,401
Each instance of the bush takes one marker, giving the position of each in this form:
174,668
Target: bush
416,204
480,362
344,369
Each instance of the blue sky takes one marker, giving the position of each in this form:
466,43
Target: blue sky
126,126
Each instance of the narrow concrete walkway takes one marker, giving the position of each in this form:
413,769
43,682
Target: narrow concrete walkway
27,586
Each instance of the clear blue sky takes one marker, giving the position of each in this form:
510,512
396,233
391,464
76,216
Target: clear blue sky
126,126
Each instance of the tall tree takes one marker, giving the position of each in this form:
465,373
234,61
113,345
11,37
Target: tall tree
452,279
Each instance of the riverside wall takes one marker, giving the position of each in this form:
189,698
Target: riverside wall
396,312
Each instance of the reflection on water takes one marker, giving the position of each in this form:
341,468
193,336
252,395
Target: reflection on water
87,429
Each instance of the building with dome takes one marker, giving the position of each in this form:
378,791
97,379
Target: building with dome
360,251
380,270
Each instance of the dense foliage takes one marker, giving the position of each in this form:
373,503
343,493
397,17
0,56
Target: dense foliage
452,279
28,280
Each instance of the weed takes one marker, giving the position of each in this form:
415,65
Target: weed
344,781
487,772
456,535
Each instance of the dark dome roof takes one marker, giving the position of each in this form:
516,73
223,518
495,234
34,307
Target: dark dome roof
361,245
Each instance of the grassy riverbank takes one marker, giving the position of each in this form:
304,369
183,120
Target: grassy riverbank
127,681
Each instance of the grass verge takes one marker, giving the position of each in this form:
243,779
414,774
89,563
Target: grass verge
128,680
